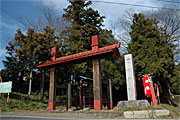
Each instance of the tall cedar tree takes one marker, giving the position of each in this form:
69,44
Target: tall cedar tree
13,69
85,22
151,54
27,50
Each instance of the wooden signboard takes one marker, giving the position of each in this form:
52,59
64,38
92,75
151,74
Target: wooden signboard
6,87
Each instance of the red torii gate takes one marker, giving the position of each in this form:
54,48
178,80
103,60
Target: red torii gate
95,54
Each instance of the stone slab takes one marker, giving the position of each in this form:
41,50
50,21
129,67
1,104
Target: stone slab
161,112
132,103
146,113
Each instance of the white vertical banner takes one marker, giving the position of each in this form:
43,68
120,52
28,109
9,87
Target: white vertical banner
130,78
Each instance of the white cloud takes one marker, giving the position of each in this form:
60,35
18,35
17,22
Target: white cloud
2,52
110,11
8,26
113,11
58,4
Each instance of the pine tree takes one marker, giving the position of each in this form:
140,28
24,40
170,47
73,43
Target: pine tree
151,54
14,68
27,50
84,22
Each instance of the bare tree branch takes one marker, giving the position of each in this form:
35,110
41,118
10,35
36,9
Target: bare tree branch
49,17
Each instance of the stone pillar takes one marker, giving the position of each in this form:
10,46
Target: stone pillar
97,88
52,90
69,95
130,79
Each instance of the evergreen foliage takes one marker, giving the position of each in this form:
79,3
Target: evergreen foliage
27,50
151,54
84,22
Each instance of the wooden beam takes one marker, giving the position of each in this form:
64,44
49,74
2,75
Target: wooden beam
42,83
80,95
69,95
110,95
97,87
52,90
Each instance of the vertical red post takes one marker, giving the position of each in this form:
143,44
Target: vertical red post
110,94
69,95
95,42
53,53
153,97
96,76
80,101
97,85
52,91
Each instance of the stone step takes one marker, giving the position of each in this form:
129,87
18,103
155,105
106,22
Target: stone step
146,113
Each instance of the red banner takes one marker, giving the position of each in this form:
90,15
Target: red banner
147,86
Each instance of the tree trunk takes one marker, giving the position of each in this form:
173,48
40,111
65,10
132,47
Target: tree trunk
171,102
30,82
42,84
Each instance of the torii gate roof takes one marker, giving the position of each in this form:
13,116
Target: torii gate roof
112,50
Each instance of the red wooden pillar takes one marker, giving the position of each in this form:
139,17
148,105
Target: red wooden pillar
110,95
153,97
69,95
89,94
96,76
52,91
97,85
80,96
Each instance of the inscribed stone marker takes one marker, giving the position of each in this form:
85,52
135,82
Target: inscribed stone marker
130,79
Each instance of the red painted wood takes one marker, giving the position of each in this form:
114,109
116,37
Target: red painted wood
80,101
69,107
109,49
53,53
51,106
52,90
153,97
95,42
97,104
110,107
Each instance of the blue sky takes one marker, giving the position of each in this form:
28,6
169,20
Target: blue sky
10,9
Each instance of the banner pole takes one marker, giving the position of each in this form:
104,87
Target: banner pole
8,98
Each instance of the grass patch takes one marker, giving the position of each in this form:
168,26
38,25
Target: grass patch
20,101
174,111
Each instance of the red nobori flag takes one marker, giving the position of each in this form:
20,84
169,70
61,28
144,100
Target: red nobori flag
147,85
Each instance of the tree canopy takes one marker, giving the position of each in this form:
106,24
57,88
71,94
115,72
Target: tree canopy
152,54
27,50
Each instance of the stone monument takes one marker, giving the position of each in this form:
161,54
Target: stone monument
131,87
130,79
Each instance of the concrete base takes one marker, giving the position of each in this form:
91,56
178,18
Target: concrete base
146,113
132,103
